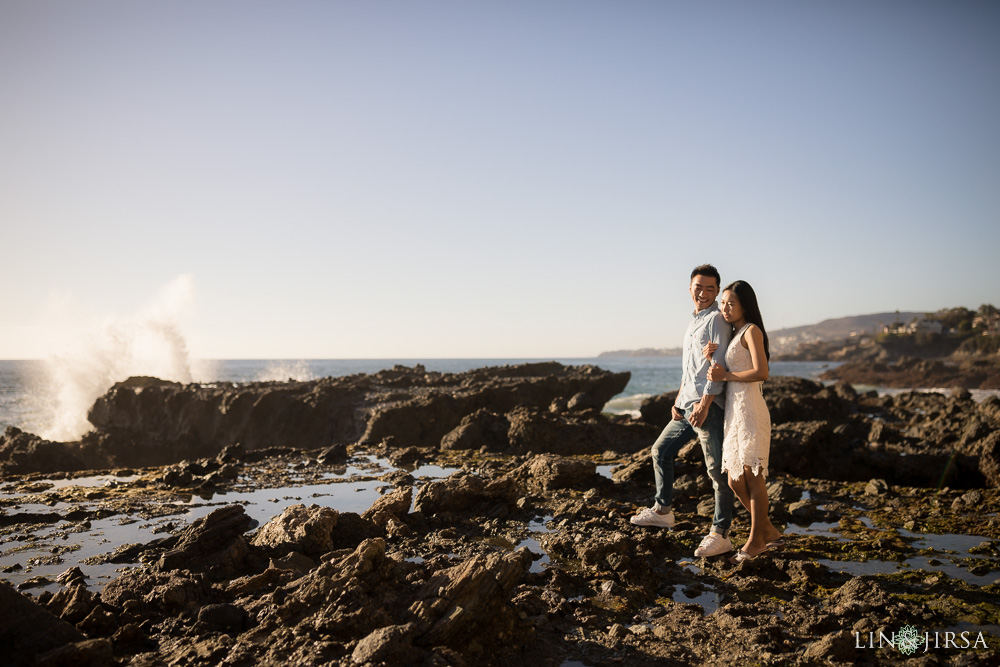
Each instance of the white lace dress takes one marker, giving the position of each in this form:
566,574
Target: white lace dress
747,440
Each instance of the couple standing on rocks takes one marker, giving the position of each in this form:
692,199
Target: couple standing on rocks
722,347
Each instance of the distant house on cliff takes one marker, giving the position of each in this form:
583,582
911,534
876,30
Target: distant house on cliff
914,327
927,326
989,324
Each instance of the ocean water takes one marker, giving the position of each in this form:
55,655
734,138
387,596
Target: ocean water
51,398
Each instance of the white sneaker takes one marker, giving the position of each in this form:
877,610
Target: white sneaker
650,517
713,545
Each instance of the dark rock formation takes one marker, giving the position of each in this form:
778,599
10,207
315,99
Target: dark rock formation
522,558
463,580
27,630
139,595
657,410
914,438
427,418
977,373
546,473
298,528
213,544
144,421
481,429
533,430
364,594
390,510
87,653
463,492
22,452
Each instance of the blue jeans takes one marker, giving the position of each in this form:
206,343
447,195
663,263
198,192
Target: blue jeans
664,451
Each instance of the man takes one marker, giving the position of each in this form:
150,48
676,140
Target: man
698,410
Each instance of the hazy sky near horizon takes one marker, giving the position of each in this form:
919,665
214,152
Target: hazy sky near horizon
401,179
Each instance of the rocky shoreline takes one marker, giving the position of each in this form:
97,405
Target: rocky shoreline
908,372
517,550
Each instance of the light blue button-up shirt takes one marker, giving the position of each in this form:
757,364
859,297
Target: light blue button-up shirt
707,325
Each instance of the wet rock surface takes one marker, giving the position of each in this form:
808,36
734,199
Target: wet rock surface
401,552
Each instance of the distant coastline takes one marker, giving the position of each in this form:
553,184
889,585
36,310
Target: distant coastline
953,347
787,341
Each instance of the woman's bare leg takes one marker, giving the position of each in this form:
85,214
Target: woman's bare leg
739,487
761,529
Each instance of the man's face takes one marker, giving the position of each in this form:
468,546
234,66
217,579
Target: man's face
704,289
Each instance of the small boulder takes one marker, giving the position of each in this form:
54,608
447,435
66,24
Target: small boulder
392,644
656,410
464,492
299,528
225,617
392,505
832,648
547,472
73,575
213,544
480,429
334,454
88,653
960,394
99,622
877,487
72,603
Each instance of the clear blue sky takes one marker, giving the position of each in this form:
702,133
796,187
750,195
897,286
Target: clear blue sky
507,179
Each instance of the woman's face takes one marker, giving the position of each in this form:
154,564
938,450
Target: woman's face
732,311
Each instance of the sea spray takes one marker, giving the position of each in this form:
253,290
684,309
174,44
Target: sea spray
95,357
627,405
287,370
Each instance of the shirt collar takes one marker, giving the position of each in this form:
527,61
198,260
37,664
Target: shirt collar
698,313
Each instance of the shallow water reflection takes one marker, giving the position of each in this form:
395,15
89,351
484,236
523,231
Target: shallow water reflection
709,600
27,551
929,565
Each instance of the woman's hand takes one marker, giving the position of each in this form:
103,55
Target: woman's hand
716,373
709,349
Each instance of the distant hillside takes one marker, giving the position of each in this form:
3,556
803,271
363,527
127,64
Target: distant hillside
785,341
788,340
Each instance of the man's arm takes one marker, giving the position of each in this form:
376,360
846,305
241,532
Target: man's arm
720,333
675,411
700,411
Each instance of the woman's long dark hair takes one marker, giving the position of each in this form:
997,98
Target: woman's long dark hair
751,311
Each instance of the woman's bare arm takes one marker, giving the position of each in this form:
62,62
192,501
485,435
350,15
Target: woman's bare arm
755,343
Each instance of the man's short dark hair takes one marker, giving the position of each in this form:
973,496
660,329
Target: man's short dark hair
707,270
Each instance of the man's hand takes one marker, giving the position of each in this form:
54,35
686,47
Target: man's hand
700,412
675,413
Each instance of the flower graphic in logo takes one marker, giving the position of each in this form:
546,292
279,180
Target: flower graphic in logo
908,640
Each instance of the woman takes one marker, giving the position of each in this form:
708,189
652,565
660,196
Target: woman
747,429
